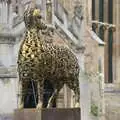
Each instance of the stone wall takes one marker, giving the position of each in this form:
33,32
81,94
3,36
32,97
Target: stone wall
112,98
8,92
112,90
94,69
9,44
8,76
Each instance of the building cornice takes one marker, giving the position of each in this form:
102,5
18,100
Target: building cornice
8,72
95,37
8,75
13,33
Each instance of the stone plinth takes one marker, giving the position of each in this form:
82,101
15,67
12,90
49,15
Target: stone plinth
48,114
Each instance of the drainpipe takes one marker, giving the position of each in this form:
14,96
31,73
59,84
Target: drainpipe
93,16
110,41
101,18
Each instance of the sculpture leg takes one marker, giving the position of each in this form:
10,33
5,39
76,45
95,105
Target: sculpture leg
74,85
77,97
20,97
40,86
54,96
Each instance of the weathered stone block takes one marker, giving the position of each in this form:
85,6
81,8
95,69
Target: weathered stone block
48,114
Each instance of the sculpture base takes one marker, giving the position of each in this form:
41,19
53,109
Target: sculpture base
48,114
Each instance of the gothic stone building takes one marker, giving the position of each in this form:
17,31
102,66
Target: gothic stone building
73,28
106,24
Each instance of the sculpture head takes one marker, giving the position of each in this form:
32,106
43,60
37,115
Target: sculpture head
32,18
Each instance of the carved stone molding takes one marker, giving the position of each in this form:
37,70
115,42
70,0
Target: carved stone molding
8,72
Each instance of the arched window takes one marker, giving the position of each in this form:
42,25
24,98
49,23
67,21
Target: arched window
99,9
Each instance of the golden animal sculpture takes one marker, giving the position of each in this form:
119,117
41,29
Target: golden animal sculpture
40,60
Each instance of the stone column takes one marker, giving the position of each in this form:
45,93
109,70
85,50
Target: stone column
10,22
49,11
43,7
117,43
84,88
84,82
101,84
3,17
5,13
84,96
106,56
0,13
21,9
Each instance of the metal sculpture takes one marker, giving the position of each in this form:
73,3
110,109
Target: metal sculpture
39,60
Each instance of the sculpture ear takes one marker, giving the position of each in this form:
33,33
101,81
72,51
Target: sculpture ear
26,7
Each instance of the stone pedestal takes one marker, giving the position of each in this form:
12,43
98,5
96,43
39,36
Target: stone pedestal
48,114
